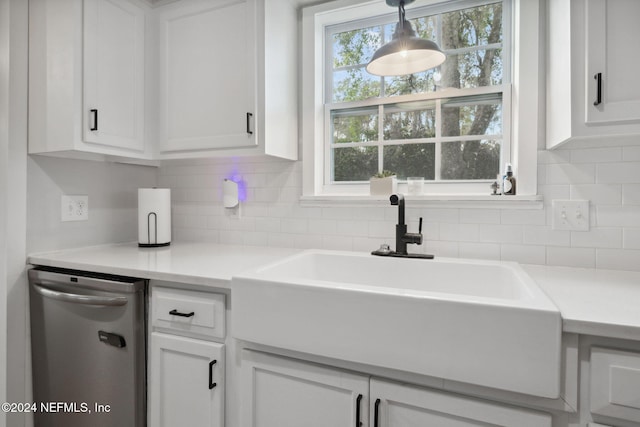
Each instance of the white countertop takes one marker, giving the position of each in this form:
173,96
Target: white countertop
593,302
194,263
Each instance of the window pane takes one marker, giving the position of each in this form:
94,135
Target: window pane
411,83
354,84
472,69
476,26
355,125
426,27
355,47
410,160
354,163
465,33
468,117
470,159
409,121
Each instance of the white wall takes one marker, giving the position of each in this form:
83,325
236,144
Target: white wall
608,175
113,201
13,137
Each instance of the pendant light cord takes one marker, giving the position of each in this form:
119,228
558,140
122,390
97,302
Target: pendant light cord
401,14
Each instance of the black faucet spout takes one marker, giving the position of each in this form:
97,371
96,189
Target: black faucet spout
398,200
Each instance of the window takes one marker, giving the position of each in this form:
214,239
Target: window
451,125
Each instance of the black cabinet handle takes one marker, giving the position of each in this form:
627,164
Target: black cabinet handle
598,78
358,399
177,313
95,120
211,383
376,410
249,115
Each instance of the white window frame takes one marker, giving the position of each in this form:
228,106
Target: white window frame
525,100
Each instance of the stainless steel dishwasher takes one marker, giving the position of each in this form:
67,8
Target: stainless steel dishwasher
88,349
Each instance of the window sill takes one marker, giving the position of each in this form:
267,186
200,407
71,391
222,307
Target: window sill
435,200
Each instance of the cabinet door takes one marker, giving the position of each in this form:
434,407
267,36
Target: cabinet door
113,110
186,382
282,392
612,32
207,75
397,405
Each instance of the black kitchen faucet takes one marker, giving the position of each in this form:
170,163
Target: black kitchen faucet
402,237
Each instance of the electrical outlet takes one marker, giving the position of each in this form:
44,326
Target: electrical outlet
74,208
571,215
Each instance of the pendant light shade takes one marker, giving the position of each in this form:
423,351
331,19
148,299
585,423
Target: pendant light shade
405,53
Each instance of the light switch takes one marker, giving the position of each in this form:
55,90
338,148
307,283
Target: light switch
570,215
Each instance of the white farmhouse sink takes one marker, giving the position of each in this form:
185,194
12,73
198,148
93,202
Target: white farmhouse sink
479,322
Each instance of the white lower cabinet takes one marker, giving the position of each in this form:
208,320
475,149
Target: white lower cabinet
283,392
186,382
401,405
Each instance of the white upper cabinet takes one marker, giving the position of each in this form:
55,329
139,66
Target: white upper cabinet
86,79
114,74
592,89
227,72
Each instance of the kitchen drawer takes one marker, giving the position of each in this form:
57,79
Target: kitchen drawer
615,383
194,313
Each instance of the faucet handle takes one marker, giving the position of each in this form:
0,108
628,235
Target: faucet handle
420,226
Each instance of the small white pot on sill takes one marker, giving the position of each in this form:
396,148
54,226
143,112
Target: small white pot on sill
383,186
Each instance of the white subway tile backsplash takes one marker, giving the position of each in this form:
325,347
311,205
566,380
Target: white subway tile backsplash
571,257
479,250
631,154
307,241
525,254
525,217
442,249
607,176
597,238
294,225
352,228
619,173
569,173
555,156
618,216
480,216
605,194
381,229
631,194
337,243
267,224
596,155
618,259
459,232
631,238
281,240
554,192
501,233
255,238
323,226
541,235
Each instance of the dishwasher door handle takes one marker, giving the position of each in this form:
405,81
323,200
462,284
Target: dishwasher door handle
80,299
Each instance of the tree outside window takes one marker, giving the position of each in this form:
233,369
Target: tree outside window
442,124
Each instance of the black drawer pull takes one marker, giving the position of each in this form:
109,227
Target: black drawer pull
177,313
358,399
95,120
376,411
598,78
211,383
249,115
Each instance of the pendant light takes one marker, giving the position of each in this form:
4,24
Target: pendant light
405,53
